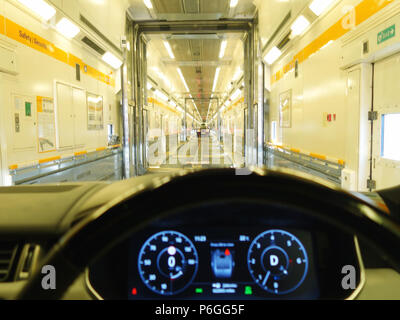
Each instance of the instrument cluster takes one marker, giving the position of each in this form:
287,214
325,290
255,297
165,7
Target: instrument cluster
230,264
246,251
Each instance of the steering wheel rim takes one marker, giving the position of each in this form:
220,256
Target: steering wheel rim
114,222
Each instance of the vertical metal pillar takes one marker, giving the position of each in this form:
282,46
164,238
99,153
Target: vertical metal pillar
127,160
185,123
250,91
141,102
260,94
138,99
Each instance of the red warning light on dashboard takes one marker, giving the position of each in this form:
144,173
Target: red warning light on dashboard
134,291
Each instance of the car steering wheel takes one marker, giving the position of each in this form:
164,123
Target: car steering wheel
157,198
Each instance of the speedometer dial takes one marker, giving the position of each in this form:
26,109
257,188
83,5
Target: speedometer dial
277,262
168,263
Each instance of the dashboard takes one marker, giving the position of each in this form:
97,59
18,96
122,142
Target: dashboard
240,233
234,250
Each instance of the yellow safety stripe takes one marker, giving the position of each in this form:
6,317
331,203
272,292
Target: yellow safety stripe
318,156
311,154
46,160
1,24
240,100
162,105
22,35
41,161
80,153
364,10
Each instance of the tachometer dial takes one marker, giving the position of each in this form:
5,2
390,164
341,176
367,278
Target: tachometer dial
168,263
277,262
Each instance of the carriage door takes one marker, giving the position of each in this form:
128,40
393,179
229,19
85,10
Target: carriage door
385,119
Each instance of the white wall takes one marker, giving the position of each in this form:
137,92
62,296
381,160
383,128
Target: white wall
319,89
324,86
37,74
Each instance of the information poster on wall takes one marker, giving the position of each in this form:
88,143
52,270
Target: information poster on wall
46,125
285,109
95,112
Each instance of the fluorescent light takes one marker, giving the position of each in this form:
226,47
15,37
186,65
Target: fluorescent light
216,78
161,95
161,75
273,55
223,48
299,25
95,100
40,7
67,28
148,4
168,47
112,60
236,95
319,6
195,105
183,79
237,74
149,86
233,3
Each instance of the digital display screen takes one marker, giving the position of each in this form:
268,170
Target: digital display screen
231,264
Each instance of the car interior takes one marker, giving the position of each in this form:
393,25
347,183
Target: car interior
136,240
213,152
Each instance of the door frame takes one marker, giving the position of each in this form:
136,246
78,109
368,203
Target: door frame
377,113
136,67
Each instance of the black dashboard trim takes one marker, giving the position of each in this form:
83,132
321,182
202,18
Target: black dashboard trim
72,257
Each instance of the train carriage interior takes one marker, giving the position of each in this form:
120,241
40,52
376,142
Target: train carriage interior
199,150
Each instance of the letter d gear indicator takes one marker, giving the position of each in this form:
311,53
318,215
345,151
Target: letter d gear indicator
277,262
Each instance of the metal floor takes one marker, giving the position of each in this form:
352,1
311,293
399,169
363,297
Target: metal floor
204,152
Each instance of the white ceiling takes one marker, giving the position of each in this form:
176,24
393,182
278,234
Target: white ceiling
198,61
178,9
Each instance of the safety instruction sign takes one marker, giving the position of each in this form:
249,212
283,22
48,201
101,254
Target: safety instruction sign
46,125
28,109
386,34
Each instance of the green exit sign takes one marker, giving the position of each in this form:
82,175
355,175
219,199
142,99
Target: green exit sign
386,34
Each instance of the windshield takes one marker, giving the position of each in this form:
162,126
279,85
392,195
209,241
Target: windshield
275,84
